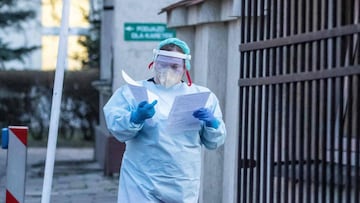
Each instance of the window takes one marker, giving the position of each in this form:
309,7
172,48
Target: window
51,21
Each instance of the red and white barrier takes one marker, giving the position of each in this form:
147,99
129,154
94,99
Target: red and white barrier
16,164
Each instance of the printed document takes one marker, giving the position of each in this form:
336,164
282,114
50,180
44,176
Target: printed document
180,115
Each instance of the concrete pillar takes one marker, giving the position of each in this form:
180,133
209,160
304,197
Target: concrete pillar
210,69
107,56
231,114
105,83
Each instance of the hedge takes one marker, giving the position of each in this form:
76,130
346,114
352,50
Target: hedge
26,96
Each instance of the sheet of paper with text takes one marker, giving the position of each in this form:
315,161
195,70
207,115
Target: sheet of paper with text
180,116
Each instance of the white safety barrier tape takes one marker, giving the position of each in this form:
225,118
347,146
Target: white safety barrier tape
16,164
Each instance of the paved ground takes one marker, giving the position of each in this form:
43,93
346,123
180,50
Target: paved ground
77,177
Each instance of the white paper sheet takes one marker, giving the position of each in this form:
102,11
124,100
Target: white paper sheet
128,79
180,116
139,92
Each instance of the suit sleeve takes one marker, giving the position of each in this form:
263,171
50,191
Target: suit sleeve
117,112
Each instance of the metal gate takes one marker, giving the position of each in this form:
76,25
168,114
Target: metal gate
299,101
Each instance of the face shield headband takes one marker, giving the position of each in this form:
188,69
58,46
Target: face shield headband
171,54
186,57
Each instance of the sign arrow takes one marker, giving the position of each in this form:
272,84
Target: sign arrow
129,28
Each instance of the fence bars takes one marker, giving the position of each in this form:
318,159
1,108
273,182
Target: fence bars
299,101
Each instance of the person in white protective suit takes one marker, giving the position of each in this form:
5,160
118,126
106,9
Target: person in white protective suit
160,165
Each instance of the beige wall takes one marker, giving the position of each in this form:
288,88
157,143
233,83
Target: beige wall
134,56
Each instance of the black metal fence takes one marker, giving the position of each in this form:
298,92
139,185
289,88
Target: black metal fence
299,101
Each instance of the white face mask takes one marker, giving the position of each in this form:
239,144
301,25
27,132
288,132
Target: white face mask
168,77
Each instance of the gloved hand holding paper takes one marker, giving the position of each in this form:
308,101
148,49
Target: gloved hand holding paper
207,116
180,115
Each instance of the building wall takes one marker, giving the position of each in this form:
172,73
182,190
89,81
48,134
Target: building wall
231,113
210,70
107,57
134,56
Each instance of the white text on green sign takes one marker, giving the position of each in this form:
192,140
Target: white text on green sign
147,32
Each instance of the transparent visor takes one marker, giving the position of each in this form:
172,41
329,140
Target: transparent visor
163,63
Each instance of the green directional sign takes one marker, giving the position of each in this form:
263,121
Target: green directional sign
147,32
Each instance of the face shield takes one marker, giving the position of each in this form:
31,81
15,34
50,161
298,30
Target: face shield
185,57
168,70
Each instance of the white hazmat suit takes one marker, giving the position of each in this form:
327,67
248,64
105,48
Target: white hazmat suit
158,165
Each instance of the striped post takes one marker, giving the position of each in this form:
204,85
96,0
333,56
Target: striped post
16,164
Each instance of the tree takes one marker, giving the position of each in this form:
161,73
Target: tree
12,17
91,42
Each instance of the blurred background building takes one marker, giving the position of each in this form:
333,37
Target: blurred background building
43,31
286,74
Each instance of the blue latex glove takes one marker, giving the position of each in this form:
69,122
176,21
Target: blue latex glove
143,112
206,115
